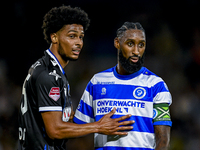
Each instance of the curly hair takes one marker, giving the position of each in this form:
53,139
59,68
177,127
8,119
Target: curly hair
127,26
57,17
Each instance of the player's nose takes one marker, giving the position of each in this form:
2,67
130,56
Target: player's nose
135,50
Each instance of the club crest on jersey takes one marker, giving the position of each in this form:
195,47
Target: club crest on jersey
54,93
139,92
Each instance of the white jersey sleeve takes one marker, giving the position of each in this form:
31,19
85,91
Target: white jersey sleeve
84,112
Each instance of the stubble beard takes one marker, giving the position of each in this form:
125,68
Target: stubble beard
63,55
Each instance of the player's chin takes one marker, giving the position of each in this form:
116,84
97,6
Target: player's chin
74,58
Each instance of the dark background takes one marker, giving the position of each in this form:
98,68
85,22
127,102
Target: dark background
172,52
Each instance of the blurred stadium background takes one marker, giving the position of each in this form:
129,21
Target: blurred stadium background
172,52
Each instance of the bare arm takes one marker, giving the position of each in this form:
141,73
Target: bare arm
162,134
57,129
84,143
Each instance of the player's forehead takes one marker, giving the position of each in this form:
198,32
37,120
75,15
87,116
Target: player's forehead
134,34
73,28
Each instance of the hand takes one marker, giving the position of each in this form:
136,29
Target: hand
71,115
110,126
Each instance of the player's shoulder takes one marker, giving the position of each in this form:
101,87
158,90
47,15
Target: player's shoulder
147,72
43,73
105,73
36,69
151,77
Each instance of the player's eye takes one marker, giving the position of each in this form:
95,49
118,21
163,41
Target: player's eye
141,45
130,44
72,36
81,37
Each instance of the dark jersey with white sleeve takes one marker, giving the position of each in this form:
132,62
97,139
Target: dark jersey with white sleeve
45,88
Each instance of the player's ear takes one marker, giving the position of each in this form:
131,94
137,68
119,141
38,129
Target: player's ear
116,43
54,38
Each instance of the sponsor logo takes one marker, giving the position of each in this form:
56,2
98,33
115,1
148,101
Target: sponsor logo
103,91
54,63
36,64
105,106
139,93
113,82
54,93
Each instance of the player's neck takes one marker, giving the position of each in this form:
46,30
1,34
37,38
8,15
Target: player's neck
62,62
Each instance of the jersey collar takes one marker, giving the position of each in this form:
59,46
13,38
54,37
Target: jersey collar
127,77
55,62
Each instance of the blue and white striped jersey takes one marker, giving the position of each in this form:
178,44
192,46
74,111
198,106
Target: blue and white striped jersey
131,94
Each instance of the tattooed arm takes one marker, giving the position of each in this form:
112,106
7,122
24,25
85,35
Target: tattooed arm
162,134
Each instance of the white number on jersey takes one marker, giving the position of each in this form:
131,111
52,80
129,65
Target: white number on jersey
24,107
22,133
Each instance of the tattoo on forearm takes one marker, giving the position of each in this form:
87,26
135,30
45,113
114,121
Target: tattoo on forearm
162,134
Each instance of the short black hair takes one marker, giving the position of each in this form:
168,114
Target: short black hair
129,25
57,17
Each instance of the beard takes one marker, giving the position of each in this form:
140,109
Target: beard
63,55
129,66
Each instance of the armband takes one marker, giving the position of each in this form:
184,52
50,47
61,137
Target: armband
161,112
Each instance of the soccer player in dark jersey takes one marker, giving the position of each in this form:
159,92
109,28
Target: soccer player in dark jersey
45,117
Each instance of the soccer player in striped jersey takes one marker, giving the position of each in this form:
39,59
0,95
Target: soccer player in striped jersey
131,89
